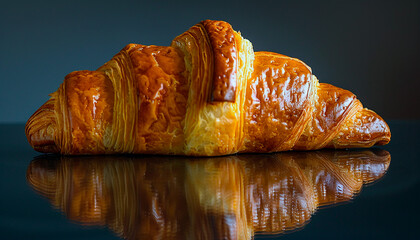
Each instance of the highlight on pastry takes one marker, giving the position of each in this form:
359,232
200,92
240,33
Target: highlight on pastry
233,197
206,94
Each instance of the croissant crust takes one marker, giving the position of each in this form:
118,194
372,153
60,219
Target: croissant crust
206,94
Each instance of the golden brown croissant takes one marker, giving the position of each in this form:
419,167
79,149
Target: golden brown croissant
207,94
229,197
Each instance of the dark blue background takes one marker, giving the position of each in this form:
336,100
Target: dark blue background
368,47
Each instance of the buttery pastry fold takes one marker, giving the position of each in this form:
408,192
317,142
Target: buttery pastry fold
206,94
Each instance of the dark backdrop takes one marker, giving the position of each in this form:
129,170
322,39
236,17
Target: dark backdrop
369,47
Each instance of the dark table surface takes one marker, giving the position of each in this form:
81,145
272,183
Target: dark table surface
32,209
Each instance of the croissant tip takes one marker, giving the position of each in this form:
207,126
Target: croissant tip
386,133
365,130
40,129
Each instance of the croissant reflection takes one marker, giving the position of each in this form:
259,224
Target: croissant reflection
230,197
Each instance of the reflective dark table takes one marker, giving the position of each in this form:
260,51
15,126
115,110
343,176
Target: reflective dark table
347,194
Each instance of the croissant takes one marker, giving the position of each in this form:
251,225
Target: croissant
207,94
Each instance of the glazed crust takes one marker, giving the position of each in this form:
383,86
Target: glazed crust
278,103
223,43
207,94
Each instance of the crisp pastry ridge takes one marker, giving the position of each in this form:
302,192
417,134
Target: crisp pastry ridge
206,94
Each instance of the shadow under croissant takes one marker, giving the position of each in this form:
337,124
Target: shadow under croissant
233,197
